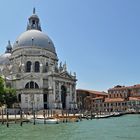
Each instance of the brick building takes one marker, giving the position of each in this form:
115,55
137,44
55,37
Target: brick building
86,98
119,98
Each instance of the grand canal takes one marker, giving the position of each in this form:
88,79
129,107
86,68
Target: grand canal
119,128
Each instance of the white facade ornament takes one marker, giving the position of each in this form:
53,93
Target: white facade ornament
65,67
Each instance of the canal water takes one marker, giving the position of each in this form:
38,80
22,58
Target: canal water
119,128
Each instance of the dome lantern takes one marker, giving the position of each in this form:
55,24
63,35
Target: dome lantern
34,22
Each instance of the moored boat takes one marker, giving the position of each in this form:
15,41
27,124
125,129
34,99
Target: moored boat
45,120
100,116
117,114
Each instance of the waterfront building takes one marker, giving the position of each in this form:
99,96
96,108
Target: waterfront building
119,98
122,98
89,99
31,66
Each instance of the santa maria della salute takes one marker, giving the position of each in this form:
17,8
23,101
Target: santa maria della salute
31,67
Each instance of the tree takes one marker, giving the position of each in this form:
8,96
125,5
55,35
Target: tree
10,97
7,95
1,91
1,84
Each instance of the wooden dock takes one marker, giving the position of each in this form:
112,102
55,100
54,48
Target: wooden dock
61,115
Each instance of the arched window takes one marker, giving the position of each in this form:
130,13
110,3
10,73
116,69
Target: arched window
27,85
37,66
31,85
28,66
46,67
19,97
36,85
33,21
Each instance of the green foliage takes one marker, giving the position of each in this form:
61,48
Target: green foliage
1,91
10,97
1,85
7,95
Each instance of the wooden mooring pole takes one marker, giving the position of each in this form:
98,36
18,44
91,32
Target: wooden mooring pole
66,116
51,112
2,117
80,117
7,120
21,118
63,116
34,116
44,115
15,116
48,113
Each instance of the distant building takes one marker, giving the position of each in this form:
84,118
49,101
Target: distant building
31,66
119,98
89,99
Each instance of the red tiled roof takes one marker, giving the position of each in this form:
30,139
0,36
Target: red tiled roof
114,100
93,92
97,98
123,87
134,99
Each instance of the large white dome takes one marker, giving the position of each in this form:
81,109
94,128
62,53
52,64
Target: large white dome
34,38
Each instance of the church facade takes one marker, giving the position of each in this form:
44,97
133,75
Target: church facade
31,66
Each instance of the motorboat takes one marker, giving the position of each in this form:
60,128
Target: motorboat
100,116
117,114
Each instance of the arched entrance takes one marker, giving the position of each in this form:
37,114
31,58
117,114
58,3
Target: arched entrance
63,96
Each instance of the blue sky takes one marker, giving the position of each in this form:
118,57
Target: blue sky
99,39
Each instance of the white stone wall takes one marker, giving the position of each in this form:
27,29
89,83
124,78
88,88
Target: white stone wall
43,79
34,101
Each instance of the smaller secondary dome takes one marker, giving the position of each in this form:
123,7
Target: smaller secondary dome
34,38
8,48
4,58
